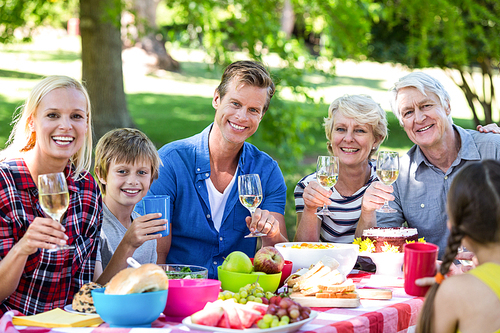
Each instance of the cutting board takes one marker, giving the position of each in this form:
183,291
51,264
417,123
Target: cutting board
312,301
364,293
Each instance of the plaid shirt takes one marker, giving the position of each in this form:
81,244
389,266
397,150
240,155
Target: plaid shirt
49,280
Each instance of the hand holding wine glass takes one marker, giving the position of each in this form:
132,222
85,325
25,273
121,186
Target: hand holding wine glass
327,174
54,198
250,193
387,172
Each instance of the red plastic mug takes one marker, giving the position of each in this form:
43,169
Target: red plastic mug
419,261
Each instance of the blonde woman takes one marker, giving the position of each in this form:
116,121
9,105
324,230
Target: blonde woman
355,127
52,133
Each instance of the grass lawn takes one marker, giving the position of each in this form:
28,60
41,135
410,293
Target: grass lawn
170,106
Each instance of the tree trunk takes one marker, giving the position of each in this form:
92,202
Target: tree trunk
145,11
287,18
102,64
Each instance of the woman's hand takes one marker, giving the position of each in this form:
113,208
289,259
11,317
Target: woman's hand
375,196
43,233
490,128
316,196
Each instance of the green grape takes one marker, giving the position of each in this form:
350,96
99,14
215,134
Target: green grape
237,297
269,294
282,323
243,293
221,296
258,294
259,288
268,318
251,298
258,300
243,301
228,295
285,319
275,322
262,324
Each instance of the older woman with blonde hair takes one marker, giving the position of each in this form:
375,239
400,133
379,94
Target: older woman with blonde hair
355,127
52,133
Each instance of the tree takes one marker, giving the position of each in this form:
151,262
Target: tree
459,36
151,41
102,63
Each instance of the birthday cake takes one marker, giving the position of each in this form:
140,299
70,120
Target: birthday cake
388,239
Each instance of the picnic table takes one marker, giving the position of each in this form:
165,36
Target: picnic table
398,314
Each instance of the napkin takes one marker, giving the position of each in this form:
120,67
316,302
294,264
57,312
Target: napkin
57,318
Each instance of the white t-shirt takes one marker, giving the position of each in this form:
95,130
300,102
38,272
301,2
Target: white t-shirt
218,200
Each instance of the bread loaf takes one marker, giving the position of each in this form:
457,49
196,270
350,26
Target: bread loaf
148,277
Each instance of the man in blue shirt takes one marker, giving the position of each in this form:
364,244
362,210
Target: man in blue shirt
200,176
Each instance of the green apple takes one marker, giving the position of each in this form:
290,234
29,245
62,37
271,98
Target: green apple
237,261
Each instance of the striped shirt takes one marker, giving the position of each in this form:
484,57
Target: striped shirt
341,227
49,280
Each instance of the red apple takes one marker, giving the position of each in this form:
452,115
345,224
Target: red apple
268,260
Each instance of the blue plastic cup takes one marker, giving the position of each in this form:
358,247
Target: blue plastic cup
158,204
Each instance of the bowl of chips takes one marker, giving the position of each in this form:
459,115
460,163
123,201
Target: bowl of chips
303,254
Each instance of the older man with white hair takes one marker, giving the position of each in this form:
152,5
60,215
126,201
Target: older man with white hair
441,149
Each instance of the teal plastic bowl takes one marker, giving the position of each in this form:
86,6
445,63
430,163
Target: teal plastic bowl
131,310
233,281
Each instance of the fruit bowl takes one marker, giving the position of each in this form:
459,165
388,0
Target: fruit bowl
131,310
187,296
345,254
233,281
185,271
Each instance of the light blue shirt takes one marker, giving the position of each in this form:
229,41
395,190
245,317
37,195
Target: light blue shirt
421,188
195,241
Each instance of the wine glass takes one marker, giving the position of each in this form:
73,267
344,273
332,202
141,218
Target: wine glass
250,193
54,198
463,261
327,174
387,172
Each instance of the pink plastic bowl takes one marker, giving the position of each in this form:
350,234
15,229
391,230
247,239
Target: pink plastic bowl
186,296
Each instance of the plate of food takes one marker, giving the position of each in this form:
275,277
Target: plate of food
69,308
292,327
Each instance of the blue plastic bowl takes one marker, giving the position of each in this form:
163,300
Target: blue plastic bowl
131,310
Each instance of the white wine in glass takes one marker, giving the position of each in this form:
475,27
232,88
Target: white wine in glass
250,193
387,172
327,174
54,198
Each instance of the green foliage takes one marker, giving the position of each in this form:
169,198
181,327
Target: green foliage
29,14
448,33
253,28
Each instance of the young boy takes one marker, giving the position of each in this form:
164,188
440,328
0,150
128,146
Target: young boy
126,163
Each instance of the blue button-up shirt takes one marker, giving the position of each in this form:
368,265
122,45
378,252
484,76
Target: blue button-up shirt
195,241
421,188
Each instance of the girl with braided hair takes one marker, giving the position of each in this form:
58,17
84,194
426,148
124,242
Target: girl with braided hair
469,302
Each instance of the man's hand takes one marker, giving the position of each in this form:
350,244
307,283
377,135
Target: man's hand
43,233
143,229
263,221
